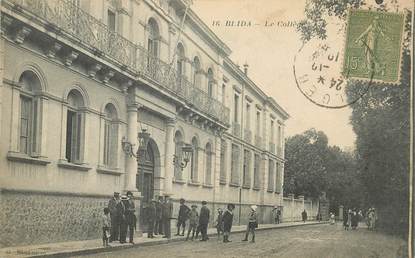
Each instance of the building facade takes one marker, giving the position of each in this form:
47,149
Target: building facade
80,77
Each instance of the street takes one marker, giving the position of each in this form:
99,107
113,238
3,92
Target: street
314,241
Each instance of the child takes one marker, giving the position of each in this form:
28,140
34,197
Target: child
219,222
106,226
227,220
193,221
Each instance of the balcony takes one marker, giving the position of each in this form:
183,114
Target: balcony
67,19
258,141
272,147
236,129
247,135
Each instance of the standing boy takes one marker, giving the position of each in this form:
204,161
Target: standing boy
181,220
106,226
204,220
193,220
227,222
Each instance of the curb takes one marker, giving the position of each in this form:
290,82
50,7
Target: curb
153,243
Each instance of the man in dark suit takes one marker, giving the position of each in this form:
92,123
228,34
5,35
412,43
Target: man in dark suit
183,215
167,213
115,219
204,220
151,218
130,216
158,223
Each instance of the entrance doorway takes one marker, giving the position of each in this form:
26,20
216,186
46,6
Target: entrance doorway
146,166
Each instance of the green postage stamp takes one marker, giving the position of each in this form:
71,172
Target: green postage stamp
373,46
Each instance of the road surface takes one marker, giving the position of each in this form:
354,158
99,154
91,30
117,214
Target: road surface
314,241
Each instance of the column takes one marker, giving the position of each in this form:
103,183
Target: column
131,165
169,150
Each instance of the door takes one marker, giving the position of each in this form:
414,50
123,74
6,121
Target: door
146,168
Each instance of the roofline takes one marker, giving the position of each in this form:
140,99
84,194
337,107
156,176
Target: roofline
245,79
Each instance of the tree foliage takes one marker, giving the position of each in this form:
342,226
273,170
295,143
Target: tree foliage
380,120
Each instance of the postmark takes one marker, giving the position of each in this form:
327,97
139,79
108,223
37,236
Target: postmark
318,74
373,46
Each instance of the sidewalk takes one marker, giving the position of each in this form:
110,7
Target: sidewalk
66,249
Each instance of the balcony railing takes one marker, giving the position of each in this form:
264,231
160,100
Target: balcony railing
97,38
258,141
236,129
248,135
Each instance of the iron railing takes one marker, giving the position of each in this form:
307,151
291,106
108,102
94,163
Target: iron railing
98,38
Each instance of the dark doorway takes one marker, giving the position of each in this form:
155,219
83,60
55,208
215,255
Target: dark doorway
146,166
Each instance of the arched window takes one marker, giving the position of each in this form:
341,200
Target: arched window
208,174
210,82
195,158
153,38
110,136
74,127
178,143
29,136
180,59
196,71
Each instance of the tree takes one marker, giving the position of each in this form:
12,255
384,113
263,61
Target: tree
305,173
380,120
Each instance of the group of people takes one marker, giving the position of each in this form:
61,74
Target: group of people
198,222
352,217
119,218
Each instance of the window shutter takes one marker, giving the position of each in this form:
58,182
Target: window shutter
35,128
113,145
25,104
106,142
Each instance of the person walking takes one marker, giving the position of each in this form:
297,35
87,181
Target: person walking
167,212
183,215
204,220
151,218
252,224
158,223
115,219
219,222
332,219
304,216
227,220
130,217
193,221
106,226
121,210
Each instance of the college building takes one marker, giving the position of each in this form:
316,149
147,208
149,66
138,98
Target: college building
88,85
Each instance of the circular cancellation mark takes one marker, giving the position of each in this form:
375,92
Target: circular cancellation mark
318,74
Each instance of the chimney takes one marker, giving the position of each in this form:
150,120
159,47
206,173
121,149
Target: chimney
246,69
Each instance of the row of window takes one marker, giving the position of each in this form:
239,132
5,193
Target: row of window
194,160
274,175
30,124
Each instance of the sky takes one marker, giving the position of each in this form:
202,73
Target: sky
269,51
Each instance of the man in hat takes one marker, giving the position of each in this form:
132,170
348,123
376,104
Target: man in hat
204,220
183,215
167,212
130,217
115,220
151,219
158,223
121,213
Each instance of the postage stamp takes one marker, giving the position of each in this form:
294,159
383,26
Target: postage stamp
373,46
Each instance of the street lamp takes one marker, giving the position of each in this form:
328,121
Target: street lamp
143,138
187,150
